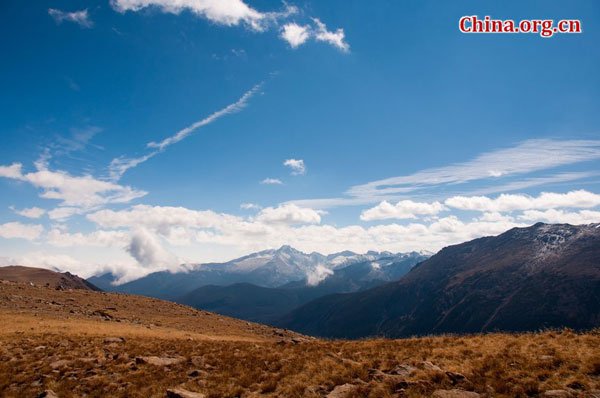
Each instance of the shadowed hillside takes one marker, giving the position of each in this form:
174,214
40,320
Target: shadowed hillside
522,280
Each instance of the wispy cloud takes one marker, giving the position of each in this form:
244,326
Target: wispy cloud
232,108
120,165
81,18
527,157
271,181
490,167
250,206
78,140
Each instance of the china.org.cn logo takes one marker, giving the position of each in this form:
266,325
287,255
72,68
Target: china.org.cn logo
543,27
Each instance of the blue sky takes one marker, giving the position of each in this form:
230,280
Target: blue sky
400,132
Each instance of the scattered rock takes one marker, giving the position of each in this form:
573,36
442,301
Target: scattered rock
47,394
454,394
159,361
592,394
60,364
426,365
342,391
403,370
557,394
398,381
181,393
197,373
460,380
114,340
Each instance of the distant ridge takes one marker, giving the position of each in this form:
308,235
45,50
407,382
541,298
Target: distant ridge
43,277
525,279
267,268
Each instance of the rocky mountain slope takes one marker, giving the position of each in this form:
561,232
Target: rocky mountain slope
43,277
264,305
524,279
268,268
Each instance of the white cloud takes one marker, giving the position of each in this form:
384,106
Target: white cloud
158,236
14,230
232,108
295,34
401,210
148,251
289,214
79,17
99,238
250,206
12,171
561,216
84,192
237,12
510,202
317,274
31,212
271,181
297,166
334,38
223,12
160,218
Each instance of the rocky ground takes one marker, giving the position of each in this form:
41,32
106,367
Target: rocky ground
87,344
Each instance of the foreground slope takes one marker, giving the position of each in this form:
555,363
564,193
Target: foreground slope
90,344
42,276
522,280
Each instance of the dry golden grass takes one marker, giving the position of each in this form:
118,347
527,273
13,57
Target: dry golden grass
493,365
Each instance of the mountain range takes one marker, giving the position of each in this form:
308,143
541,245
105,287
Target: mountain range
525,279
266,304
285,267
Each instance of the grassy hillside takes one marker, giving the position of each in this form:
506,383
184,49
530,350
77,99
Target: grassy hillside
83,343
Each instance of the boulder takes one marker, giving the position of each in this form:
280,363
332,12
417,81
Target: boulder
403,370
114,340
454,394
181,393
159,361
342,391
